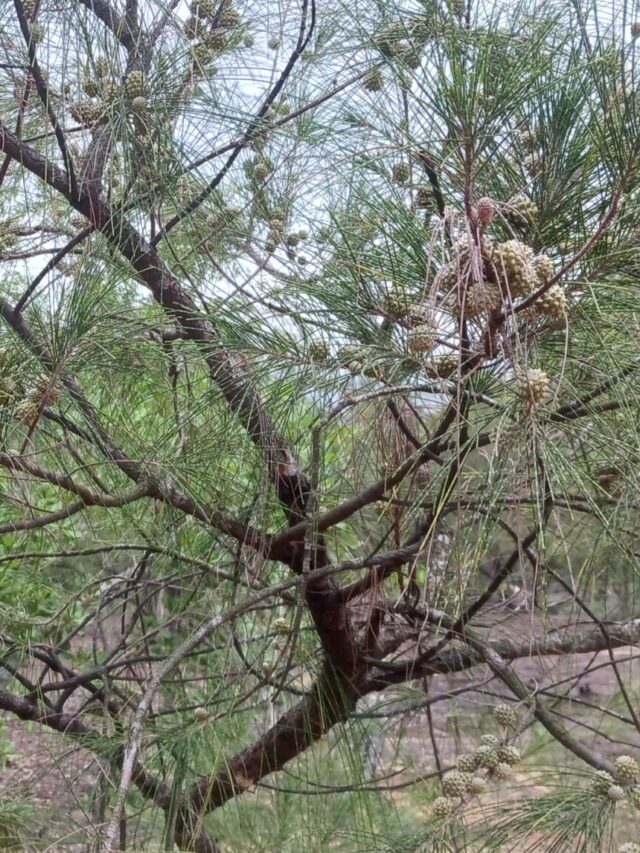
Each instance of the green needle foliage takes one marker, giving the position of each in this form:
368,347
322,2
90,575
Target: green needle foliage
319,426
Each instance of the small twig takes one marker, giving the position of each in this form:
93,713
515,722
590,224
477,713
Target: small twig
45,97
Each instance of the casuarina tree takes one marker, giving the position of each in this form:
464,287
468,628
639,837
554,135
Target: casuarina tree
319,425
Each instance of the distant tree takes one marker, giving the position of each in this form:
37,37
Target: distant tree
318,415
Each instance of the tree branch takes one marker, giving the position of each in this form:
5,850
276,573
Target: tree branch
330,616
118,25
71,725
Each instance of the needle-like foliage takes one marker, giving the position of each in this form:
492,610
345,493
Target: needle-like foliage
319,425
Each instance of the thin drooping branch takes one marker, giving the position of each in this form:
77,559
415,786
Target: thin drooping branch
334,695
45,97
606,221
226,371
284,120
16,462
330,616
500,667
605,633
299,728
161,489
44,520
376,491
304,35
523,546
293,733
24,101
134,740
59,256
580,407
71,725
426,530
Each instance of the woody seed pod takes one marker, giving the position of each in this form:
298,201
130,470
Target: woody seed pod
102,67
601,781
37,33
522,209
135,84
454,784
87,112
30,9
487,757
441,367
627,767
502,770
505,716
401,173
422,338
477,785
509,754
480,300
90,86
281,627
552,303
418,314
139,104
466,762
544,268
486,210
318,351
512,261
373,80
442,806
532,386
202,8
